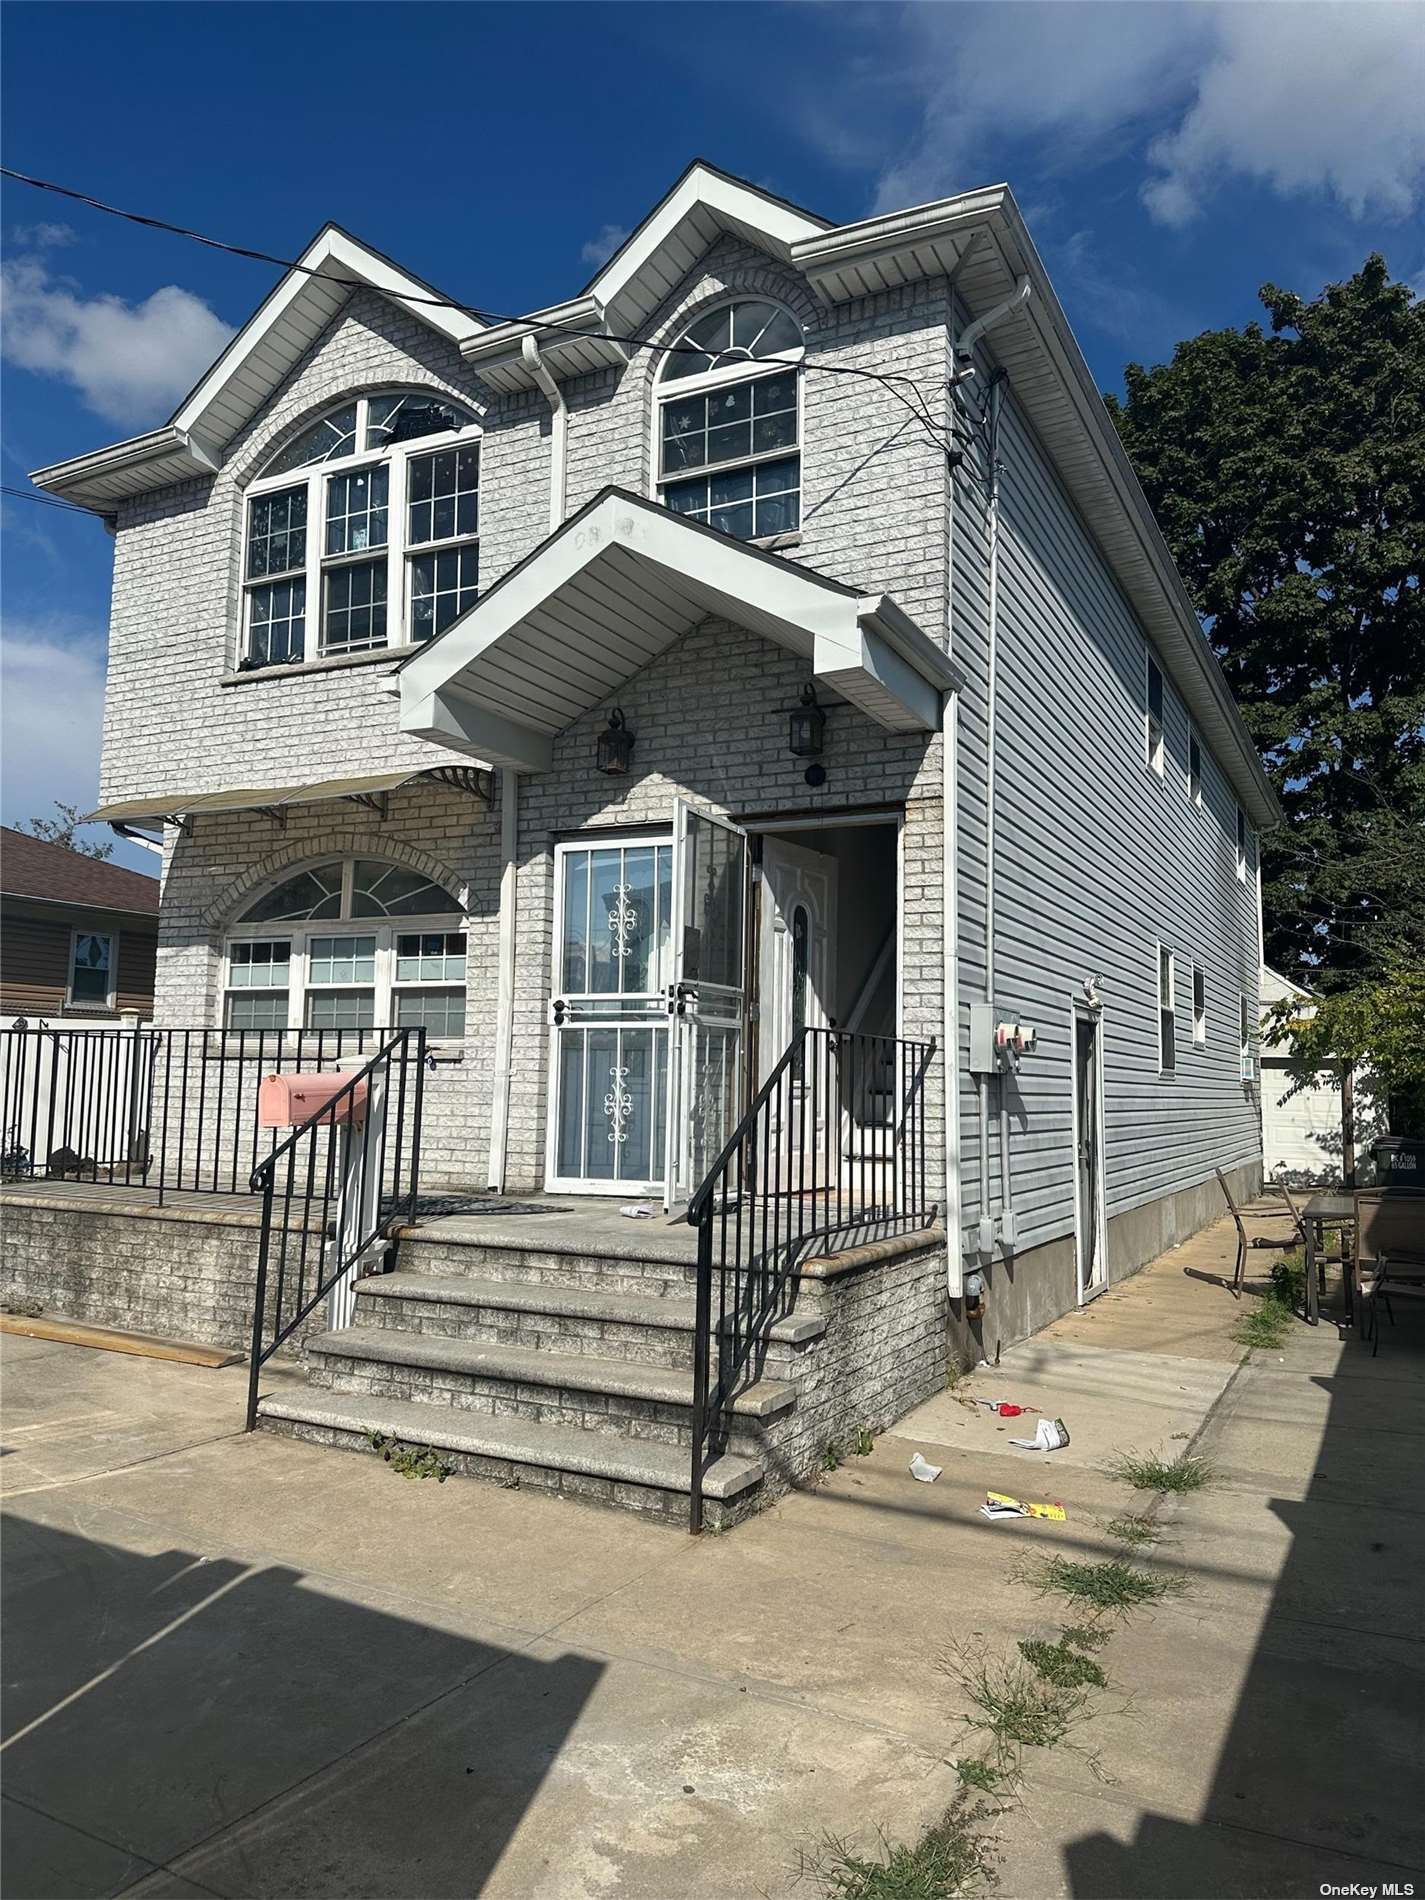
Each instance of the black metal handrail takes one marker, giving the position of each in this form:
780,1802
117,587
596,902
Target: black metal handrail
832,1149
159,1110
346,1182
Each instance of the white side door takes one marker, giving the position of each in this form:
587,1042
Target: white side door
707,994
797,987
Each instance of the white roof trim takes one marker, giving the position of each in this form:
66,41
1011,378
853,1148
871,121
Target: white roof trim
246,375
616,586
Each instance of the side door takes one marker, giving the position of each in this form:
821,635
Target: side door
707,994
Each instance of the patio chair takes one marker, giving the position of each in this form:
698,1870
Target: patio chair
1243,1243
1389,1253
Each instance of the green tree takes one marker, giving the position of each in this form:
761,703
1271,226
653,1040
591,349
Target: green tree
1287,468
61,830
1378,1021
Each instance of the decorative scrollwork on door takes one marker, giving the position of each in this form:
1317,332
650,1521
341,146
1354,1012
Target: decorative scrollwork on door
618,1106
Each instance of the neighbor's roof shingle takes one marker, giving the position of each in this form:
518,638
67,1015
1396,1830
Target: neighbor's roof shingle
29,867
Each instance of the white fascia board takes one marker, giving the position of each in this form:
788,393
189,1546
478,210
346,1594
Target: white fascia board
892,624
454,720
580,313
820,255
131,456
861,665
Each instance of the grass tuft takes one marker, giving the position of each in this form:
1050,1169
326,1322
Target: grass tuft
1084,1636
1061,1665
1114,1588
952,1859
1149,1471
1015,1706
975,1772
1266,1326
1134,1531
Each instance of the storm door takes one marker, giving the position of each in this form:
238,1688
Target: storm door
610,1027
707,993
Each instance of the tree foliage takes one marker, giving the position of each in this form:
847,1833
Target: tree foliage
61,830
1378,1021
1287,467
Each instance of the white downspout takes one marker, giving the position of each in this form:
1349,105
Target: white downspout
559,429
950,1040
505,978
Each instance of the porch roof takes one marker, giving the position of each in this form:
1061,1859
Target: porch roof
369,788
613,588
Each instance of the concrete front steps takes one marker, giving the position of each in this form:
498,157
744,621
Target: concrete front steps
571,1371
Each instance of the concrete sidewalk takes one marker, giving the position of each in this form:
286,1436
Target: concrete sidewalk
241,1666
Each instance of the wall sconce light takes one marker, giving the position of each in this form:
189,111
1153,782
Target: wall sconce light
806,727
615,746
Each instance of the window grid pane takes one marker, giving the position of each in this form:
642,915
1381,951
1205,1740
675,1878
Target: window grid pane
276,533
443,495
407,418
746,503
325,441
443,586
89,968
341,1009
341,960
442,1012
355,617
267,1009
277,623
431,957
728,425
259,965
357,510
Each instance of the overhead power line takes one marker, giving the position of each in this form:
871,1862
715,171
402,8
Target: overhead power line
914,403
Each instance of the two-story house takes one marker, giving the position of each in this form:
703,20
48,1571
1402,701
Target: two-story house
772,636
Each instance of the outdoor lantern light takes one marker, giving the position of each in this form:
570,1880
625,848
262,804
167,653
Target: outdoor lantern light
615,747
806,727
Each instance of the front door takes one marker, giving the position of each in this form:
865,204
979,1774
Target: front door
706,994
796,981
1089,1154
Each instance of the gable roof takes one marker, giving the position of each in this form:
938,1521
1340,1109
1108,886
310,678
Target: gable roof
248,373
52,873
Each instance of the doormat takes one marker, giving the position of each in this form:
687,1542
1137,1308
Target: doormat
432,1206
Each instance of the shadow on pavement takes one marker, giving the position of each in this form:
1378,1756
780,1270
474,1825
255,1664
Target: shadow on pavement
275,1737
1318,1780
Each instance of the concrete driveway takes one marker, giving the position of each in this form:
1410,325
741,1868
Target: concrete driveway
243,1666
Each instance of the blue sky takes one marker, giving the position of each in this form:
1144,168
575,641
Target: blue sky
1169,159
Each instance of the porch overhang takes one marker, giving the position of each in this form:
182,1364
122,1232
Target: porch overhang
371,789
616,586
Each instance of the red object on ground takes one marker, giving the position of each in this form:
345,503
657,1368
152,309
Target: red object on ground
283,1101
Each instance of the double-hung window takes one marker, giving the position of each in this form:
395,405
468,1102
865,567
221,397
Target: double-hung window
1199,1004
1194,769
348,943
1246,1054
1153,682
728,421
363,532
1241,844
1167,1007
91,970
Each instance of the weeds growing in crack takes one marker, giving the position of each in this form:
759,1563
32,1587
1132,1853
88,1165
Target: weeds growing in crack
1266,1326
1084,1636
1113,1588
1012,1704
1062,1665
953,1858
1134,1531
1150,1471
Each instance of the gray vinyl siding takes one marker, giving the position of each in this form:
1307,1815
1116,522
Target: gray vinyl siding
1098,860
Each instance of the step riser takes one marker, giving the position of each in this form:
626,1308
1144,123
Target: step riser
667,1507
664,1422
552,1332
610,1274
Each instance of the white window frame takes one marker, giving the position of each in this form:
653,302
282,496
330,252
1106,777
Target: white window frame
1194,778
400,556
386,931
1246,1057
1153,729
1199,1006
111,996
1167,1013
1243,843
744,370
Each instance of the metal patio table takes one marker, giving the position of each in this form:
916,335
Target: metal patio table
1337,1206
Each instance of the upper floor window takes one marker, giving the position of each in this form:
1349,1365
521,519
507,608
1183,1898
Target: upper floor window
91,970
350,943
1194,768
729,431
1242,844
1154,703
1167,1011
375,543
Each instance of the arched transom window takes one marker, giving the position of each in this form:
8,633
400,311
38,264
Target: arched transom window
363,531
348,943
729,420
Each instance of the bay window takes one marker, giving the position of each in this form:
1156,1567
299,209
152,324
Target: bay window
354,943
729,421
377,541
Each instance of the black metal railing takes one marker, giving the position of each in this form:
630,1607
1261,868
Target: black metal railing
831,1153
334,1190
166,1110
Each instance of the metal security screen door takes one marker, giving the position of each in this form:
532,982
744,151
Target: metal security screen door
706,995
610,1031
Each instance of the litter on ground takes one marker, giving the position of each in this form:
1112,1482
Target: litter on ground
633,1212
1052,1434
997,1505
926,1473
1006,1407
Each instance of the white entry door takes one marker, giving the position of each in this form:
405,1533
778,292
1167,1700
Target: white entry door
707,994
797,990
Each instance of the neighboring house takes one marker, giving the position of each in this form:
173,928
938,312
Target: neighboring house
1301,1125
393,587
78,936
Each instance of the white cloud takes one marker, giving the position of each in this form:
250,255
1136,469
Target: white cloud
51,716
43,236
1302,95
130,362
602,246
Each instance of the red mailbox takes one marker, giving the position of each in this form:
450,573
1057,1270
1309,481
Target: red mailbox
285,1100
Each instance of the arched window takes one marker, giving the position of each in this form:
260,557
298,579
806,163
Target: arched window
729,420
363,531
348,943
